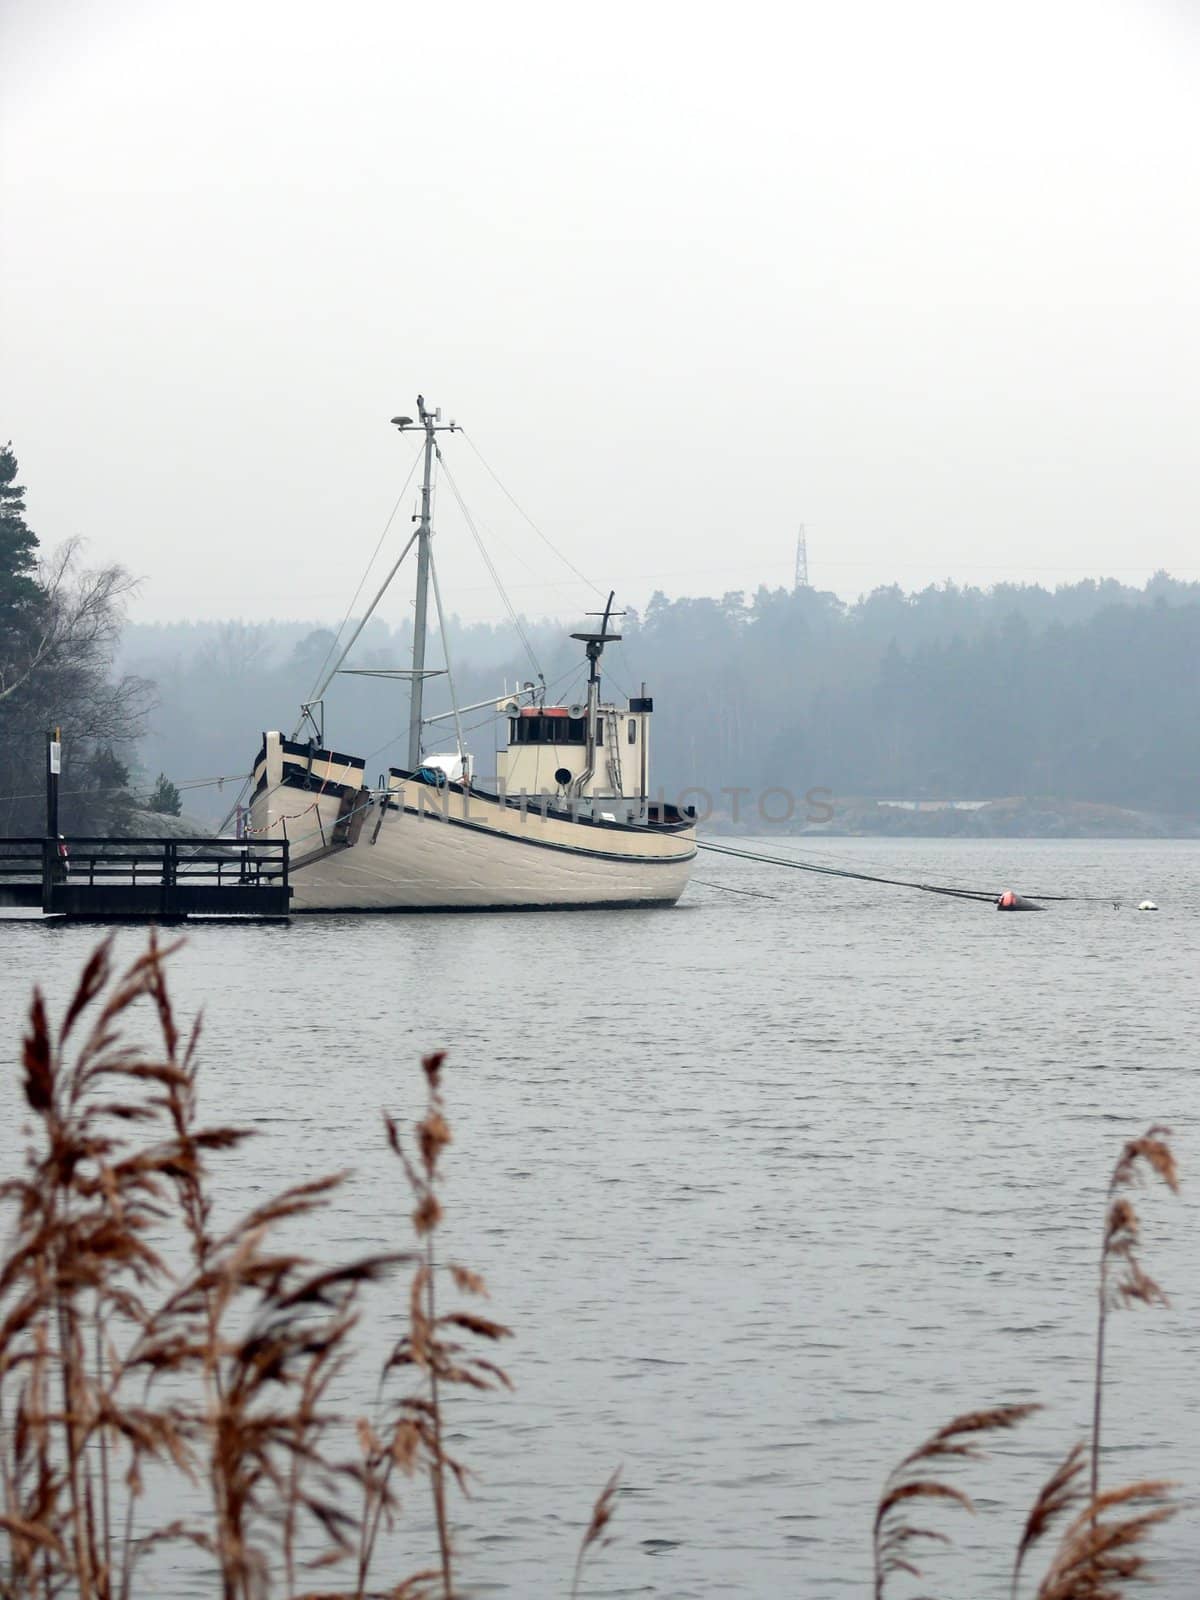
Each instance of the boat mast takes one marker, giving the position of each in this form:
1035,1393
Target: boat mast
420,617
594,648
432,423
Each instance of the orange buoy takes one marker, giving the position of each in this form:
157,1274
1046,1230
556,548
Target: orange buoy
1011,901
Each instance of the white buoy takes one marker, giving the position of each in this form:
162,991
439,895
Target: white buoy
1147,905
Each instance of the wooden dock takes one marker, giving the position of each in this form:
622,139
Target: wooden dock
146,879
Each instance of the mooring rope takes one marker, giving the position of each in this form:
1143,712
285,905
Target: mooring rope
844,872
753,894
990,895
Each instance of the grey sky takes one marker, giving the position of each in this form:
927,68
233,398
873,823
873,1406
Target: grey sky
924,277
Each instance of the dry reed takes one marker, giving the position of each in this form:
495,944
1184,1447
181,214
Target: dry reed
434,1343
602,1515
95,1328
1122,1278
1098,1555
1056,1496
111,1368
909,1482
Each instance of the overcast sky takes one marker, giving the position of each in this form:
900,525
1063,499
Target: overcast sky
924,277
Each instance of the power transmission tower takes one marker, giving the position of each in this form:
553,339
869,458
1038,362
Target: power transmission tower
801,560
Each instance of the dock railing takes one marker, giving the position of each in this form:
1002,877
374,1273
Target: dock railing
84,875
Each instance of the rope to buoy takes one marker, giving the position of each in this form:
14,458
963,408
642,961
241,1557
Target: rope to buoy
989,895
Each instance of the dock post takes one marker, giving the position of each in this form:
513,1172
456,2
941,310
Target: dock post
170,878
51,868
53,768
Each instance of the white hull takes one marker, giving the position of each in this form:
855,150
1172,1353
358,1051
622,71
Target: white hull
446,850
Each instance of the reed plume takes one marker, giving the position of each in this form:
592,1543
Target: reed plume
1056,1496
958,1440
1123,1281
78,1270
89,1314
248,1343
602,1515
1098,1554
434,1343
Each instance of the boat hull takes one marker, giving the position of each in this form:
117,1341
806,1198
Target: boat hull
452,850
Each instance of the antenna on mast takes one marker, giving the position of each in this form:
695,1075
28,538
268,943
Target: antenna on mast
801,561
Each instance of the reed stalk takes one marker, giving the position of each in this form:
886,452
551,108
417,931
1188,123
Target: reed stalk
433,1343
1122,1278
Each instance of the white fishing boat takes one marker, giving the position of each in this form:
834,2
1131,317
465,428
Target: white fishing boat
569,822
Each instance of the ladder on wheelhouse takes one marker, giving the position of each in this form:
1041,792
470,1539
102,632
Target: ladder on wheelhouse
612,750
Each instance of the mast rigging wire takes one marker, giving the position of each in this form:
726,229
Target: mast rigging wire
516,621
437,600
322,683
366,573
366,617
472,727
545,538
550,545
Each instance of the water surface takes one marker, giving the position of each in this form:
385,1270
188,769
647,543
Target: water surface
768,1189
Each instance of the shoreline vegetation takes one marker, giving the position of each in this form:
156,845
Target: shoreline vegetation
1010,817
139,1340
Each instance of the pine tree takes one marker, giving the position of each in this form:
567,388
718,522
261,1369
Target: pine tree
19,591
165,798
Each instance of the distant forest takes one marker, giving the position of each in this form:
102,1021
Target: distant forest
1087,692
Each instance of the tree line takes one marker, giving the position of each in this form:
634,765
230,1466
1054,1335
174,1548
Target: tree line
1086,692
1083,692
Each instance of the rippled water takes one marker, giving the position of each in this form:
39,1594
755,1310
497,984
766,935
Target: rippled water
768,1189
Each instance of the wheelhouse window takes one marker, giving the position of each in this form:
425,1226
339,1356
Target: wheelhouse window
546,730
633,730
